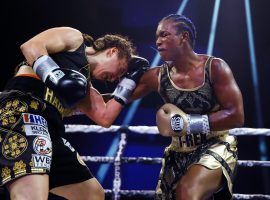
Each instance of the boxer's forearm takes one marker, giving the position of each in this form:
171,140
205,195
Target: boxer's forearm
104,114
226,119
97,110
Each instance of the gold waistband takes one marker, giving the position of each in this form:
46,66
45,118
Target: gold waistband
191,142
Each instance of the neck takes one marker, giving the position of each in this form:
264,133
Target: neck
186,60
91,58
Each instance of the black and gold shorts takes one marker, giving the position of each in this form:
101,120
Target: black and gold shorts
220,152
31,142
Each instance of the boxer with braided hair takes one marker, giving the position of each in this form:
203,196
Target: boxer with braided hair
202,101
54,80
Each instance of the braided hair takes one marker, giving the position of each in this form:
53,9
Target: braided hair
182,23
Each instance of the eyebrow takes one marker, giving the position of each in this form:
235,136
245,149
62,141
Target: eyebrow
162,32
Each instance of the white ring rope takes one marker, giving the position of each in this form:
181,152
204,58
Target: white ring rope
72,128
151,194
116,192
149,160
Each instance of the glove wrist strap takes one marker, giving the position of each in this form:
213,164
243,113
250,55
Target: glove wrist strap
44,66
123,90
198,124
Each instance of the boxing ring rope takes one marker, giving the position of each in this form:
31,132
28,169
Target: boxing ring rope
71,128
116,192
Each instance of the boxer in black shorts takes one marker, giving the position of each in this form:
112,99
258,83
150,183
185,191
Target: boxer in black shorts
35,139
53,81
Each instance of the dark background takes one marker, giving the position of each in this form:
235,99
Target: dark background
20,20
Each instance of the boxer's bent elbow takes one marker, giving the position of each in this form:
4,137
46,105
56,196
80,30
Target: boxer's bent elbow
237,118
105,122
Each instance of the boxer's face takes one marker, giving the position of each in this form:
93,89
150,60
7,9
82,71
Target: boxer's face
110,67
167,40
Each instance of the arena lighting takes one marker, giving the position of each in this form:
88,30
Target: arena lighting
103,169
256,89
213,28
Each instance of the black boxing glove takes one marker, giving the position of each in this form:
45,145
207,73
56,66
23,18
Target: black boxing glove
137,66
69,85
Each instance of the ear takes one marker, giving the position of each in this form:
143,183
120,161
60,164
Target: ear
112,51
185,35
